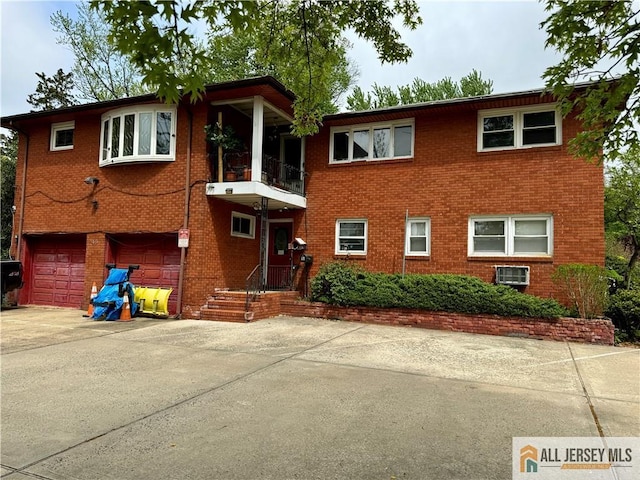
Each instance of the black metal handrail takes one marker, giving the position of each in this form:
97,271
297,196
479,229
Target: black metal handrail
279,277
254,285
277,173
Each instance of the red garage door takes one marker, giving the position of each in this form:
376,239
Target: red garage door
57,271
158,257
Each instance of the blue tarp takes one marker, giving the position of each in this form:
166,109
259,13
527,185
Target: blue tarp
108,303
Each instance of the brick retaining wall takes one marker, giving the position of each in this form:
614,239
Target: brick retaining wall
572,329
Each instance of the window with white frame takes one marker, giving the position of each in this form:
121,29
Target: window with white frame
418,236
373,141
527,236
519,128
243,225
351,236
144,133
62,135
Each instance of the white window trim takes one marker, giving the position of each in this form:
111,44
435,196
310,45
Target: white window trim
366,236
252,225
518,125
407,246
56,127
136,158
509,233
371,127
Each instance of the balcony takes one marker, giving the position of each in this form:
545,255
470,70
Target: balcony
266,161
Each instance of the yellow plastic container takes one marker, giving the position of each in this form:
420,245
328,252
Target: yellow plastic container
153,301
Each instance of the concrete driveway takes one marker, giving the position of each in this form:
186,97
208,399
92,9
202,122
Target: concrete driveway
291,398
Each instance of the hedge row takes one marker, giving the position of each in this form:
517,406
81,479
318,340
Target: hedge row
340,283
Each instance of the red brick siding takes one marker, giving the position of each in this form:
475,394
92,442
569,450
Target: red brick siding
448,181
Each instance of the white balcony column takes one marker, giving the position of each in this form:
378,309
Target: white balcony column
258,133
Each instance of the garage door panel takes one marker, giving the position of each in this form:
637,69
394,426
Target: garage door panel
158,257
42,298
45,257
57,271
152,274
43,283
61,284
171,275
126,259
171,259
44,270
153,258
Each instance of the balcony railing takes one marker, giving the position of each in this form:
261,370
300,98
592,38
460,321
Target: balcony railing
237,168
279,174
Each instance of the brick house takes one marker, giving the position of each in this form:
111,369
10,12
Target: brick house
474,186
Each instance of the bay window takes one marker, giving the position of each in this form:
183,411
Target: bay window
143,133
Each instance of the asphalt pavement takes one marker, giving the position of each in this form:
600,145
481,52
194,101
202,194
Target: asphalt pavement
291,398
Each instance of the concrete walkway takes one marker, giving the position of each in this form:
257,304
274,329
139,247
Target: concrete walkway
291,398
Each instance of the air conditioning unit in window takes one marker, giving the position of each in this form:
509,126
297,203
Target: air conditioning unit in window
510,275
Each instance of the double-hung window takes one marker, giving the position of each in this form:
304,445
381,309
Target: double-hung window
519,128
417,236
243,225
144,133
62,135
528,236
373,141
351,236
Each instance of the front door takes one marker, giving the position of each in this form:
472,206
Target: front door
279,256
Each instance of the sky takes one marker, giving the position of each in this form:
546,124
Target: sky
501,39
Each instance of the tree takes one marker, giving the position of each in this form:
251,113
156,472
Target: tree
100,71
245,55
419,91
622,207
53,92
303,34
600,42
8,159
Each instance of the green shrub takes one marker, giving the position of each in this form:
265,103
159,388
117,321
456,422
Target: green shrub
335,283
587,287
624,311
342,284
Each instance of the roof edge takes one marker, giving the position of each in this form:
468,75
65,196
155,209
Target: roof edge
8,121
452,102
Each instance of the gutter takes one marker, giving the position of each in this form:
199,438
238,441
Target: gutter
23,189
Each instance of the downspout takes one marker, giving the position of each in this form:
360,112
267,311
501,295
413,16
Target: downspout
23,189
185,220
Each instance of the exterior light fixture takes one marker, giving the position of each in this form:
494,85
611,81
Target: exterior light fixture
92,180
